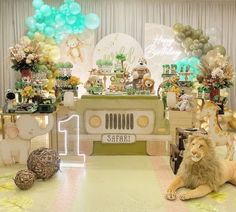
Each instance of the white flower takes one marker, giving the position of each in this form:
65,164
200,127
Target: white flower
25,41
222,61
30,57
217,72
26,49
28,61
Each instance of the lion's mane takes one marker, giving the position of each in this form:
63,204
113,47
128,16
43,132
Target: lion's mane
206,171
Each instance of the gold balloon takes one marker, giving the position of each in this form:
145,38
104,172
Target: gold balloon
220,49
228,115
51,84
49,76
56,73
232,123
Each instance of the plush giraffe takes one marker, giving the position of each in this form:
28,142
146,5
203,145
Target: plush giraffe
215,132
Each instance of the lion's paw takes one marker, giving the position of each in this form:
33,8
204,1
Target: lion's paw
171,195
185,196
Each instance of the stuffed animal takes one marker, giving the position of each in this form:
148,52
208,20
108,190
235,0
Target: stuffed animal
74,51
139,72
92,81
219,136
10,104
185,103
13,149
201,171
148,84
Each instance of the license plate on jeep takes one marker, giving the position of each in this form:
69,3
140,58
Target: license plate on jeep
118,138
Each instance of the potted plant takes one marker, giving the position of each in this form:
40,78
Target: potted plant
121,57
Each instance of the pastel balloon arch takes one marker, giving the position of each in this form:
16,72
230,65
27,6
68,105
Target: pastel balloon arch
59,22
194,42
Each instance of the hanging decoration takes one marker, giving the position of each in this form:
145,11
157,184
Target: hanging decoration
59,22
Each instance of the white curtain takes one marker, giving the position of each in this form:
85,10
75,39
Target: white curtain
127,16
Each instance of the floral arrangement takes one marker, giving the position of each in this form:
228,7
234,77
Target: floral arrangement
169,85
28,92
74,81
25,55
217,71
39,54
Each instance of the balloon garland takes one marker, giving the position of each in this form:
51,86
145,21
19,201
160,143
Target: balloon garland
216,69
194,41
58,22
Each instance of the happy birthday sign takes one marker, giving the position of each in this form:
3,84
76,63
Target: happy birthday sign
160,48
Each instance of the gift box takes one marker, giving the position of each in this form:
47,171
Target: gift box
176,157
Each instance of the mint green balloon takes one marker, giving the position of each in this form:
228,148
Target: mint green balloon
60,19
37,3
39,16
49,31
74,8
30,21
92,21
46,10
71,19
30,34
69,1
40,27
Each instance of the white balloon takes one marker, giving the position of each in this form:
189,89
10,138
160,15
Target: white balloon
214,34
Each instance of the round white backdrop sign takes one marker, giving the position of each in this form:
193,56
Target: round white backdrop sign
116,43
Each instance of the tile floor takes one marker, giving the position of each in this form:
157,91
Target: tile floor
107,184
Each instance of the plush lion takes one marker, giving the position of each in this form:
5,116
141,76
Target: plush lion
148,84
200,170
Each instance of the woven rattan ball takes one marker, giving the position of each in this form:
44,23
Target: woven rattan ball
24,179
44,162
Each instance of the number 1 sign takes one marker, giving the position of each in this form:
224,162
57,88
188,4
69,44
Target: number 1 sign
76,159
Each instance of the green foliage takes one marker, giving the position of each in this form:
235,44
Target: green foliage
121,57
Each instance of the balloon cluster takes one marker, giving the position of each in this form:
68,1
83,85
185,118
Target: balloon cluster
50,52
57,22
193,64
194,42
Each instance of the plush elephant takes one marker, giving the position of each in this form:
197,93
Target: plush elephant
29,128
15,148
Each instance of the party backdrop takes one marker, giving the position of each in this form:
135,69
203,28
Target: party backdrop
126,16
